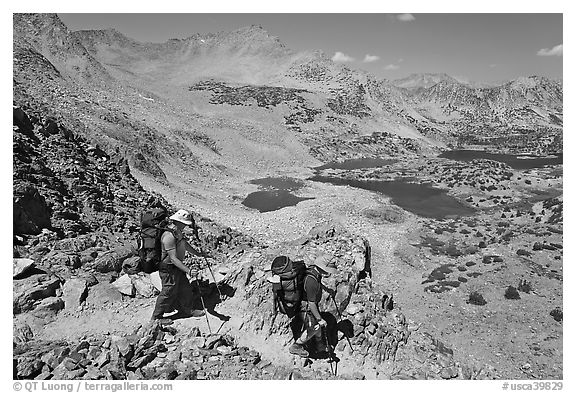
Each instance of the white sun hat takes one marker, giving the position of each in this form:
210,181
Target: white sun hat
323,262
182,216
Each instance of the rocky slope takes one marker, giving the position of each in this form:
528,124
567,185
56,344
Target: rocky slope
75,222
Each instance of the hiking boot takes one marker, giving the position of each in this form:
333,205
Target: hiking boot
169,314
163,321
197,313
190,314
297,349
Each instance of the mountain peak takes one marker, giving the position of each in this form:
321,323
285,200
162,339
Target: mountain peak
423,80
530,82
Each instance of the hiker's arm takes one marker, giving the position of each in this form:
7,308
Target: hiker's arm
169,243
315,311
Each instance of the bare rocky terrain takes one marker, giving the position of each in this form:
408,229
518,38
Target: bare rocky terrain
103,126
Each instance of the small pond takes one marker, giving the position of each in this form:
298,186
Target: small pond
421,199
275,193
514,161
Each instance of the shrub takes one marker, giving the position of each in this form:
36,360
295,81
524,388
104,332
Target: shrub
477,299
525,286
557,314
511,293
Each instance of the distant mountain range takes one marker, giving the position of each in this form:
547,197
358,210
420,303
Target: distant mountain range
142,95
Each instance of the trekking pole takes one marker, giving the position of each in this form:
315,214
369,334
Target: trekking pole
340,315
206,261
330,353
222,324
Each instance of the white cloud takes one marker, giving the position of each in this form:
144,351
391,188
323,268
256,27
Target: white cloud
492,65
556,51
342,57
391,67
370,58
405,17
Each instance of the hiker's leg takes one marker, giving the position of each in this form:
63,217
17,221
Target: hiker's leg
165,300
297,325
180,279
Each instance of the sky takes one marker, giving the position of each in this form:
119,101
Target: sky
489,47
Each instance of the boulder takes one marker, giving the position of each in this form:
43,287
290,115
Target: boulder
143,285
69,369
30,211
28,367
21,120
124,285
102,359
194,342
48,308
76,244
22,333
55,356
111,261
21,265
58,258
125,348
156,280
74,293
103,293
27,291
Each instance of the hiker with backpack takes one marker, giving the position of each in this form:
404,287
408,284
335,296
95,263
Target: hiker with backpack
297,290
176,293
287,287
313,323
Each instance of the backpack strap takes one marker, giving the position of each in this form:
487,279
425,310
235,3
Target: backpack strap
310,272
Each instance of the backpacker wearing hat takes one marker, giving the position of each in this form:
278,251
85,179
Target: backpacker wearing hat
297,291
176,293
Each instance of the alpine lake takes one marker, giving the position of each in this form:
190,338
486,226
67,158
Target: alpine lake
421,198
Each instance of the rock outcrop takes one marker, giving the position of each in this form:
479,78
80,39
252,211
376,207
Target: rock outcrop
363,312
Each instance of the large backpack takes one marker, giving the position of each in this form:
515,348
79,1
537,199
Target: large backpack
153,223
288,291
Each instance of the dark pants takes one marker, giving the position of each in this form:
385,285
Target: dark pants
176,293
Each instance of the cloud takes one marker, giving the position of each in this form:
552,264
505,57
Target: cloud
342,57
405,17
492,65
391,67
556,51
370,58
